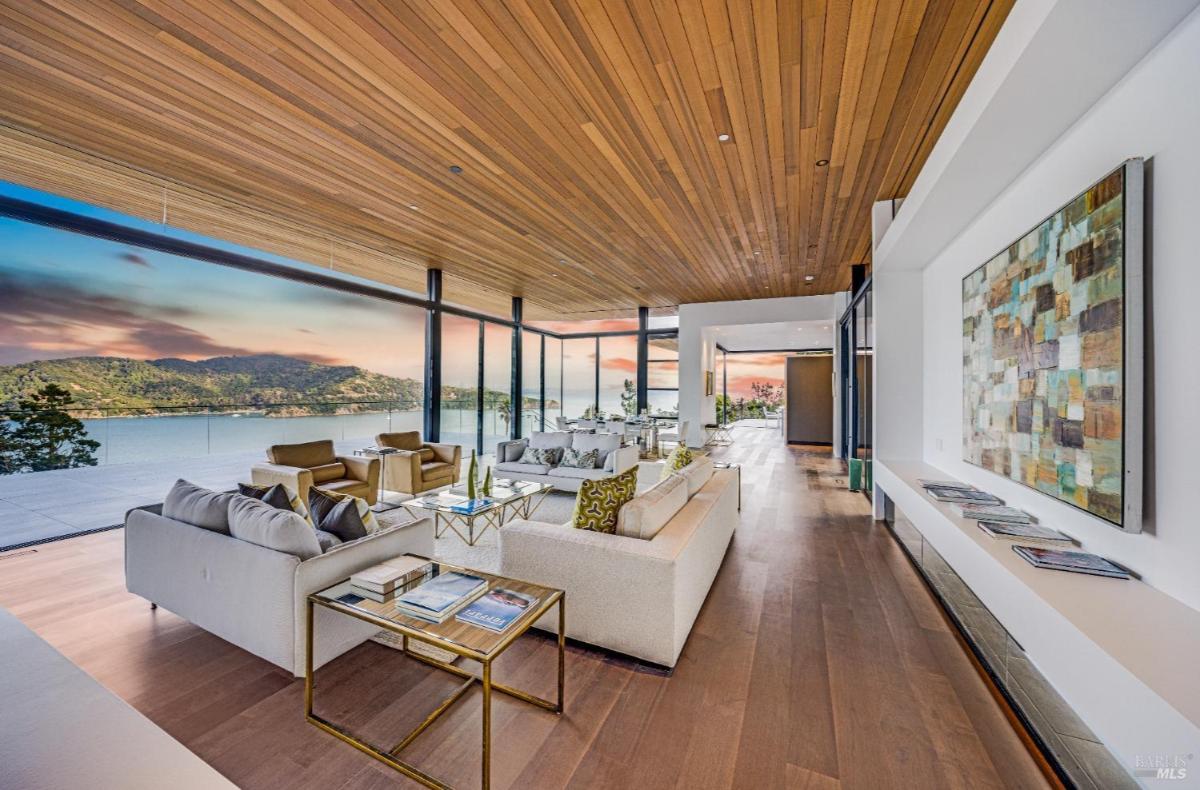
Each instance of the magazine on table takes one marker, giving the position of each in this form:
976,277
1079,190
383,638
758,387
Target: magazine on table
1001,513
1071,561
1024,532
438,598
472,506
496,610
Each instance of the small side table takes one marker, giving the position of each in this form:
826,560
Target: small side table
382,453
738,469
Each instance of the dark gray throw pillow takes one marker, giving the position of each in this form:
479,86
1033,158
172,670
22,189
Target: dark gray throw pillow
191,504
275,496
336,514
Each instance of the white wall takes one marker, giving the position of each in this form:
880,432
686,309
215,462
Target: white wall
697,345
1154,112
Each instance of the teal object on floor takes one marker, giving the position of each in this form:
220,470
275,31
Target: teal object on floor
856,470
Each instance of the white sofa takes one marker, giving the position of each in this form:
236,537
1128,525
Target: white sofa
615,459
253,596
630,594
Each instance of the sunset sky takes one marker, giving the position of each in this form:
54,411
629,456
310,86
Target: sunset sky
67,295
745,369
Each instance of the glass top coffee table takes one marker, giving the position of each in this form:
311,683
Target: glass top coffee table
463,640
468,518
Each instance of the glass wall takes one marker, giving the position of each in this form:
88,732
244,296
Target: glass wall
662,375
497,384
618,376
460,381
531,383
162,356
554,381
579,377
857,341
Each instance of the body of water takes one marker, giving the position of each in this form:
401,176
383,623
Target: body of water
152,438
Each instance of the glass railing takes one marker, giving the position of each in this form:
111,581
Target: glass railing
127,435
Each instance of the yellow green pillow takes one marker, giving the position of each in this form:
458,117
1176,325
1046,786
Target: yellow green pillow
680,457
599,501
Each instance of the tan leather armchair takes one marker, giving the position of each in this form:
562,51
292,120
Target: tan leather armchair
418,466
302,466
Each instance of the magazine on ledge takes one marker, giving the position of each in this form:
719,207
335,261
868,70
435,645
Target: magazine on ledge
496,610
962,495
1034,533
950,484
1001,513
1071,561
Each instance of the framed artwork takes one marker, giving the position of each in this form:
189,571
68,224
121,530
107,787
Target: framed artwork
1052,354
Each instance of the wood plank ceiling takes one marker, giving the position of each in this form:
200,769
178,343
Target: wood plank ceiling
593,177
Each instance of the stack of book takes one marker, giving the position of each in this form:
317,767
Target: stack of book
1071,561
438,599
379,582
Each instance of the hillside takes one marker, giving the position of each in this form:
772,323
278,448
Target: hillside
258,380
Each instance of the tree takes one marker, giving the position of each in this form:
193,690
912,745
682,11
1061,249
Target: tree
45,436
629,398
770,394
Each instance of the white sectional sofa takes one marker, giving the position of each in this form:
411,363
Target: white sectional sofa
614,459
254,596
635,595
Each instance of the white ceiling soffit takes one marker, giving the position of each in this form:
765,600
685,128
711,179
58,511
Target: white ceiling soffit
786,335
1052,61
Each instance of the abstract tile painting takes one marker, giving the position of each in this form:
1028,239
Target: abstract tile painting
1044,355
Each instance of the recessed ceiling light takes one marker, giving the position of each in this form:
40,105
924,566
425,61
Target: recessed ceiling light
808,278
756,252
456,169
413,206
723,137
822,162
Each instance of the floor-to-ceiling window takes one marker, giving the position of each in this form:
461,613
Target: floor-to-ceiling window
579,377
618,376
460,381
554,381
531,383
855,391
497,383
662,375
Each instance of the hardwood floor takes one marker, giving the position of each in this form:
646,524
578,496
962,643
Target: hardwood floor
819,661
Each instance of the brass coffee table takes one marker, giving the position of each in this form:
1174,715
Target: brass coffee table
509,499
461,639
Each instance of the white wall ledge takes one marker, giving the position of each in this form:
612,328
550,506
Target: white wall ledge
1122,654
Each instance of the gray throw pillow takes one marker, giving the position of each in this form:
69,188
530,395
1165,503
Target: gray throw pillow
198,506
580,459
282,530
275,496
513,451
336,514
327,540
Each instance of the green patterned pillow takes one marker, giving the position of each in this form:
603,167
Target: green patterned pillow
599,501
680,457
